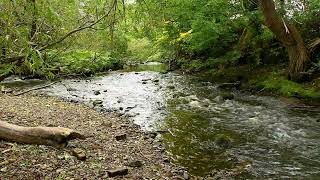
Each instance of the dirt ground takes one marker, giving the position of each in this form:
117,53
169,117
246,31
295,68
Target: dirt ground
103,151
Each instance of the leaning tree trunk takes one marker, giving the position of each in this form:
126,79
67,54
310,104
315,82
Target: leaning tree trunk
291,39
52,136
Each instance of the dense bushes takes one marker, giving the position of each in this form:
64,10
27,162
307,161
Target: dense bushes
72,62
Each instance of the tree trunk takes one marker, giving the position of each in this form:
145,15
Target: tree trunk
52,136
290,37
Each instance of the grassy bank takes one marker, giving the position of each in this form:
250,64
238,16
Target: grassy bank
265,79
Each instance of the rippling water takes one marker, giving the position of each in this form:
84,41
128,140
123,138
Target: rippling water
248,136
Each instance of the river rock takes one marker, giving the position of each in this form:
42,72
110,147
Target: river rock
121,137
227,95
97,93
170,87
97,102
218,99
195,104
186,175
223,141
71,89
79,154
122,171
135,163
151,135
229,85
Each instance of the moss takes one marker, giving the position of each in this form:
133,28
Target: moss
280,85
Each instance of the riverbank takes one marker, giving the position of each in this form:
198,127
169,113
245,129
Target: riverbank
263,80
114,142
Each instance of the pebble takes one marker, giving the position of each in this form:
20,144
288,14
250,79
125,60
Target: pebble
79,154
121,137
117,172
135,163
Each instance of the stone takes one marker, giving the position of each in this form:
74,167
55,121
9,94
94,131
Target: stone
135,163
71,89
121,137
166,160
170,87
151,135
79,154
218,99
74,101
223,141
97,102
122,171
227,95
97,93
186,175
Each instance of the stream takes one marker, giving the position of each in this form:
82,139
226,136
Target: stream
247,135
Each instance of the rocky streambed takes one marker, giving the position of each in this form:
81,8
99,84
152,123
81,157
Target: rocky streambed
207,130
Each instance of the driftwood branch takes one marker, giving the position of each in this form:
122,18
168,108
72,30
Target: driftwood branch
52,136
35,88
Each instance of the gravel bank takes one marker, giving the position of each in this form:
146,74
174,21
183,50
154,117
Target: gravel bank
103,152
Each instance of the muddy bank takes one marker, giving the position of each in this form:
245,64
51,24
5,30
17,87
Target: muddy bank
102,149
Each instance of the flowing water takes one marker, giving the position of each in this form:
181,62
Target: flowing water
248,136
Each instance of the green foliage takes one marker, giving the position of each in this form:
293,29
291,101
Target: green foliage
6,69
85,62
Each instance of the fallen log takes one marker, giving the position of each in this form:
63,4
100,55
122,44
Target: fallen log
36,88
52,136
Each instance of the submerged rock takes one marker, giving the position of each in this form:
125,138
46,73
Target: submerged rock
97,102
71,89
227,95
218,99
97,93
223,141
170,87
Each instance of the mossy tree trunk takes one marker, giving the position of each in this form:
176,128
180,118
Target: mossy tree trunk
290,38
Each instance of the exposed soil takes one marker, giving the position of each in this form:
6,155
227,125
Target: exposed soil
103,151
